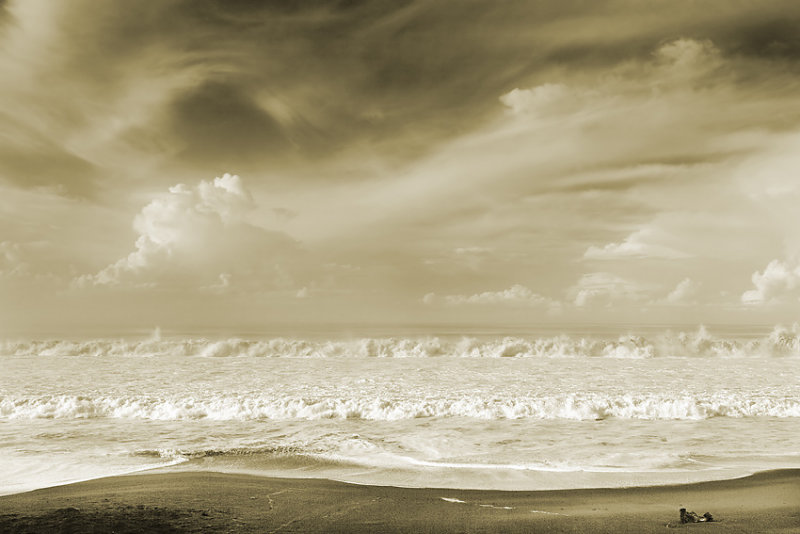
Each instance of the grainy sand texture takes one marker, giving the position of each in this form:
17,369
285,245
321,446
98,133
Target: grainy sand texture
215,502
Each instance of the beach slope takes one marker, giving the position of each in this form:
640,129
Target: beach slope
215,502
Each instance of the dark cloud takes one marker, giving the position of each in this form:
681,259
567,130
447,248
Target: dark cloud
238,11
29,159
115,101
400,76
638,173
49,167
392,75
219,127
777,38
4,14
618,185
379,78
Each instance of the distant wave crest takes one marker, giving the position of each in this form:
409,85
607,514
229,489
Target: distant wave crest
782,341
578,406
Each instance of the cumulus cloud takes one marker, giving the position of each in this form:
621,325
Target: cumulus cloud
688,56
605,289
579,127
517,295
684,292
199,237
637,245
770,180
779,281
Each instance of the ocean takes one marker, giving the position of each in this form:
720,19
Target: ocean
461,408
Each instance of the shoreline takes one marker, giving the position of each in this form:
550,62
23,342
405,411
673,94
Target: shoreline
767,501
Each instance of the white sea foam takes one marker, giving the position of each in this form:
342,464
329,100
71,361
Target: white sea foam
27,473
237,408
321,454
782,341
506,412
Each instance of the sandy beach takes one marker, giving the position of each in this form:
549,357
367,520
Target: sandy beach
399,266
215,502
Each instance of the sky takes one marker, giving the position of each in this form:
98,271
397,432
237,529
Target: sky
238,164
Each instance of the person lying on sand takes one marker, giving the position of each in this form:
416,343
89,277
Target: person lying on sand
691,517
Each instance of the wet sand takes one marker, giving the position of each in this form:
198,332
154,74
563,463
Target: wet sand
214,502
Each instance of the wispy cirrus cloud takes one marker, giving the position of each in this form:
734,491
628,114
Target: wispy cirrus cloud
429,146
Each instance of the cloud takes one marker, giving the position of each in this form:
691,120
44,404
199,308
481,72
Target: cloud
222,285
516,295
767,35
218,125
546,132
606,289
216,84
32,161
11,263
536,99
637,245
688,57
31,261
779,281
463,259
470,251
14,262
684,292
199,237
769,179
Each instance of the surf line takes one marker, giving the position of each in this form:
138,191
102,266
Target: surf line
459,501
452,499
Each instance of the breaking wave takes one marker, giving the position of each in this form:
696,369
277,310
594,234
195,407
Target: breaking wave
782,341
194,454
330,455
577,406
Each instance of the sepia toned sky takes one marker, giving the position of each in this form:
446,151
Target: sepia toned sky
229,164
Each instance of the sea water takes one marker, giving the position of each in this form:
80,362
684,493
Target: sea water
466,409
